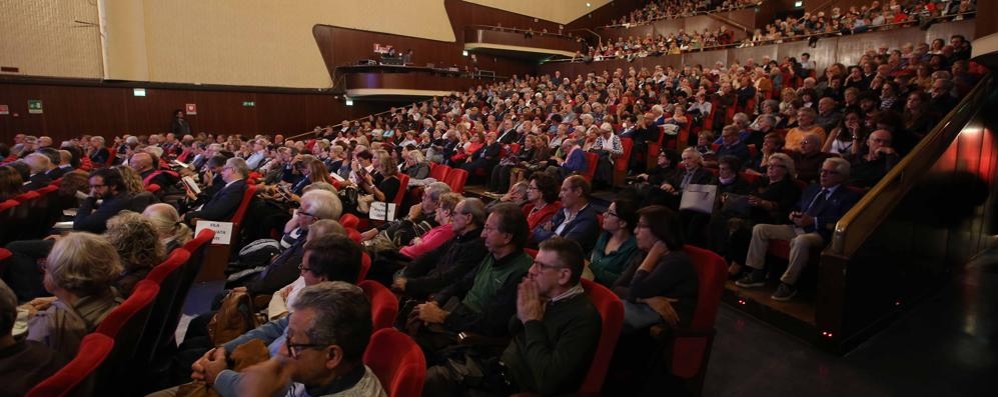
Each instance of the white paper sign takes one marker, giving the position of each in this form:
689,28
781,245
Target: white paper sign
223,231
382,211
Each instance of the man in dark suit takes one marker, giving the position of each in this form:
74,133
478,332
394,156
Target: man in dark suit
105,184
819,209
223,204
180,126
670,191
576,220
54,169
39,164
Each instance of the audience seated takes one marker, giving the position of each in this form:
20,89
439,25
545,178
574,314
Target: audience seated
23,363
819,208
11,184
138,246
80,272
224,203
440,268
481,301
663,274
39,165
438,235
172,232
616,245
108,186
325,342
542,199
577,218
554,334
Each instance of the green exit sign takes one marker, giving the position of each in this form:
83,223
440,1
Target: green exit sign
249,104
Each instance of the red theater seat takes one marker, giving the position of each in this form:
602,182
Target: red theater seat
398,362
384,304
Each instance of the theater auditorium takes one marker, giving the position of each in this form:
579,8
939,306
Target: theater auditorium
498,198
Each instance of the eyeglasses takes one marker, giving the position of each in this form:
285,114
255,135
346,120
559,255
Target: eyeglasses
611,213
831,172
642,225
307,214
545,266
302,268
294,349
531,187
97,186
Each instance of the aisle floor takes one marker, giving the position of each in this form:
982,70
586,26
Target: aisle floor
946,346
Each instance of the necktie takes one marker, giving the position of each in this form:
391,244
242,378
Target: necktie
818,199
686,179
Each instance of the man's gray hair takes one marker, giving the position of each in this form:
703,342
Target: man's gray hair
842,165
342,316
436,189
475,208
239,166
323,203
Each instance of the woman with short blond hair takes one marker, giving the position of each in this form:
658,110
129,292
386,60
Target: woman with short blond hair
79,271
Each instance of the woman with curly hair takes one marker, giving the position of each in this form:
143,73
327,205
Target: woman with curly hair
138,246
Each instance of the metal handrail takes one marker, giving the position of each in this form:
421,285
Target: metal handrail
781,40
856,225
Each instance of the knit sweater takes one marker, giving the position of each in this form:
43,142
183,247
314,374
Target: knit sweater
552,355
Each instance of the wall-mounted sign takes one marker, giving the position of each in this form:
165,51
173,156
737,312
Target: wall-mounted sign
4,110
139,91
35,106
249,104
192,108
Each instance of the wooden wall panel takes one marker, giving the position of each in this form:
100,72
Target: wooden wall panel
71,110
967,28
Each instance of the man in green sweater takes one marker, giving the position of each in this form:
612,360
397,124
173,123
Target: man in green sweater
555,333
482,301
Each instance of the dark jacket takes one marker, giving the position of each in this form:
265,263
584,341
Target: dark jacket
673,276
826,212
37,181
584,229
445,265
222,205
89,220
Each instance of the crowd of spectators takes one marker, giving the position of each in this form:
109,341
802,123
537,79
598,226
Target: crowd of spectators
662,9
875,16
794,150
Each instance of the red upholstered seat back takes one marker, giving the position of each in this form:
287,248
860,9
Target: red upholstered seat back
129,313
456,178
620,163
591,160
403,187
397,361
691,348
94,349
241,211
384,305
439,171
611,312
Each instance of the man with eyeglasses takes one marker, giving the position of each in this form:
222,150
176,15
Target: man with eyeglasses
107,185
223,204
555,333
444,266
322,356
871,163
332,257
819,209
489,292
809,158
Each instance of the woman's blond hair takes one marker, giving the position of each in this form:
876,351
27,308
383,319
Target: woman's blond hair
169,227
83,263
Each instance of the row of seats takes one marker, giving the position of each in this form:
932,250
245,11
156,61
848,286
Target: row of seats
29,215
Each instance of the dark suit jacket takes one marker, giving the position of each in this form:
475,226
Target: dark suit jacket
222,205
828,212
89,220
584,229
700,177
58,172
38,181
